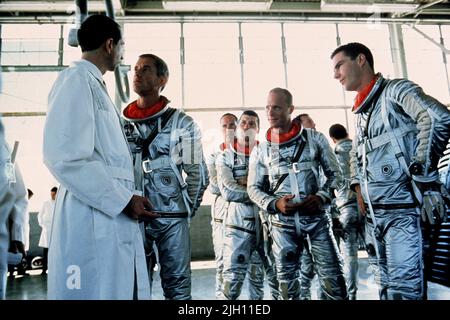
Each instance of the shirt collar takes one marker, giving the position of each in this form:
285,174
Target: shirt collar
92,68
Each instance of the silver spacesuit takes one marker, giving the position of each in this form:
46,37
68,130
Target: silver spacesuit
348,216
219,208
268,163
395,126
176,147
242,244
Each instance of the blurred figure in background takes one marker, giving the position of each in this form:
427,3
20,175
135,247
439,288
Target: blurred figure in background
45,219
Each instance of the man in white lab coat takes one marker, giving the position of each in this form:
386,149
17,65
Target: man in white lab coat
96,248
45,219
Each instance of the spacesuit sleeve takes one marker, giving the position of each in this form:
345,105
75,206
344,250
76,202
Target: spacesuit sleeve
330,168
426,111
212,173
193,161
354,175
257,180
229,188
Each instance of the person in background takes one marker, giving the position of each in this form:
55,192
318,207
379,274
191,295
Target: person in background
349,219
45,219
243,251
166,144
228,123
288,161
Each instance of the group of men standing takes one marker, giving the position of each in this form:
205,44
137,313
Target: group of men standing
128,192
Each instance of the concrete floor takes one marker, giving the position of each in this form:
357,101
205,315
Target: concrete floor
33,286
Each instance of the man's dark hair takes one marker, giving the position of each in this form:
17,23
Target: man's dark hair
230,115
302,115
353,49
161,66
338,131
286,93
250,113
95,30
54,189
30,193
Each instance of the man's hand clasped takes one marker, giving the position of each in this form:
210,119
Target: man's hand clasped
139,208
310,205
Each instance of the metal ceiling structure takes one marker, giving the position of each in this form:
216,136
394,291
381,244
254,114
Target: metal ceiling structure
62,11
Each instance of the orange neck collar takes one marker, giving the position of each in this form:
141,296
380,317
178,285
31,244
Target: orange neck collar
283,137
132,111
362,95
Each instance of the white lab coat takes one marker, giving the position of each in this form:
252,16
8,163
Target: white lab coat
45,218
95,250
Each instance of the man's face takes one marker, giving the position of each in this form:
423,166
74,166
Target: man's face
228,127
277,110
53,195
308,122
145,78
347,71
116,56
248,129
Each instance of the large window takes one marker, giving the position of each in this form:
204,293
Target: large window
30,44
212,77
424,61
310,72
263,62
26,91
207,73
28,131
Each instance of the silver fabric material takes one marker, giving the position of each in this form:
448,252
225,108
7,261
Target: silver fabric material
255,277
381,171
289,231
178,141
351,224
242,243
406,105
344,195
399,270
349,217
307,274
161,186
218,211
171,237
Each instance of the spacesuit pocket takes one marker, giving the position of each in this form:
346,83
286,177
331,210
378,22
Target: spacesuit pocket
386,171
240,257
166,182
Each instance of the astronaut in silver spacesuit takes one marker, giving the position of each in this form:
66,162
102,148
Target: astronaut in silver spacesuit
348,219
228,123
242,244
165,142
400,134
284,180
219,209
307,272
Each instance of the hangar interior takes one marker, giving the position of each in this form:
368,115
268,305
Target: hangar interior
223,56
